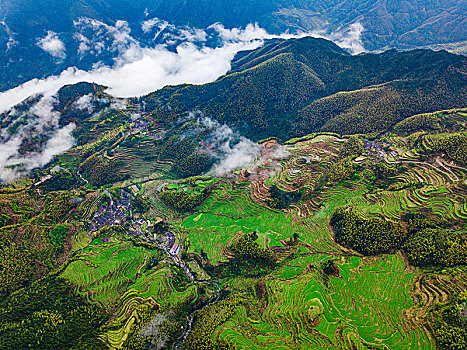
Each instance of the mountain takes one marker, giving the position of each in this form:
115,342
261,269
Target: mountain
295,87
164,222
386,24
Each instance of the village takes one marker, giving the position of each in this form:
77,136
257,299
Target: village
380,150
119,211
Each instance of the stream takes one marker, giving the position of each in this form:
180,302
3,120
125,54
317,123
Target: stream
81,177
215,286
179,262
187,331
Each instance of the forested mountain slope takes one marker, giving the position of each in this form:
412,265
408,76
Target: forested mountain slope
393,23
294,87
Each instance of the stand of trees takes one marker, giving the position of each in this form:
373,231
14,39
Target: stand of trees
49,315
183,200
249,259
100,172
61,181
450,326
432,246
282,199
454,145
367,236
424,243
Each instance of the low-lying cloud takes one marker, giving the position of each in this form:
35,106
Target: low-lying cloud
32,139
182,57
138,70
227,147
230,149
95,37
84,103
52,44
11,39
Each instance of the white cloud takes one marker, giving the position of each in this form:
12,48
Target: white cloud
84,103
137,71
348,38
119,104
52,44
60,142
244,153
39,122
11,40
231,150
146,26
95,37
140,70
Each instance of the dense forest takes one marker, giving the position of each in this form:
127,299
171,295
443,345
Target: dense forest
299,86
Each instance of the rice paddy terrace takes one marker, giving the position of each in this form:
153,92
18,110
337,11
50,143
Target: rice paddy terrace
249,259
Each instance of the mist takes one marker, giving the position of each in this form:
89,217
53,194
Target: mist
182,57
139,70
32,139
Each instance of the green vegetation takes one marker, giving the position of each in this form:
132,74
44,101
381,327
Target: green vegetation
418,122
206,322
184,199
343,169
16,268
431,246
101,172
367,236
141,205
454,145
49,315
352,147
354,240
194,164
63,180
282,199
296,87
450,328
249,258
58,236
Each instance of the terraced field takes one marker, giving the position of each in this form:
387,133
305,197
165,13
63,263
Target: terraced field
171,273
363,308
375,302
117,275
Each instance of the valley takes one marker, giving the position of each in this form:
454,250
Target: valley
308,199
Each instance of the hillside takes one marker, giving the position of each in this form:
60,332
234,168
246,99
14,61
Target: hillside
439,24
322,242
307,199
295,87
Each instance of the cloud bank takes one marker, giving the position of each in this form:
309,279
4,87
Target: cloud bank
138,70
228,147
178,56
11,40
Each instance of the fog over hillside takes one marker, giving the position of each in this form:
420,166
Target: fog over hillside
229,175
184,55
41,38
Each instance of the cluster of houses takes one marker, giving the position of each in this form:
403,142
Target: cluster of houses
378,149
139,124
169,239
113,214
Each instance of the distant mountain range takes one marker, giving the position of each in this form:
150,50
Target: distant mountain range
386,24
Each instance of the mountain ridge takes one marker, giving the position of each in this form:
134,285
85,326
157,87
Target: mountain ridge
276,86
384,24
